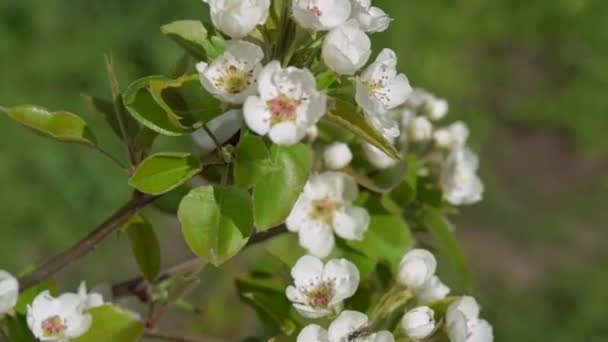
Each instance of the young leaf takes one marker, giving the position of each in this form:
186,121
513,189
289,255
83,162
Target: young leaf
276,192
105,108
163,172
111,323
346,115
216,223
62,126
193,37
251,157
144,245
438,225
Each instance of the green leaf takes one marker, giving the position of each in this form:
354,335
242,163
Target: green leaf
144,245
105,108
16,329
216,222
387,238
192,36
346,115
276,192
27,296
163,172
405,193
62,126
441,229
251,159
285,248
169,202
111,323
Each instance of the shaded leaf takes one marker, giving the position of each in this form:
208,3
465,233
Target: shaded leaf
16,329
111,323
163,172
145,246
105,108
193,37
251,159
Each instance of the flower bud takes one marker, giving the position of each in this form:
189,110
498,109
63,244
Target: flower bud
237,18
432,290
346,48
377,157
436,109
419,323
420,129
416,268
371,19
9,292
337,156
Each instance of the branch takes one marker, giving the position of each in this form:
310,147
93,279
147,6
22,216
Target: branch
87,244
177,338
139,287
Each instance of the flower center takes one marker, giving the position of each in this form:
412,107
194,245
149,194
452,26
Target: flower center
283,108
315,10
321,296
234,80
54,327
323,210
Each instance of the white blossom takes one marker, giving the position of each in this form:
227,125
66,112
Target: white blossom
9,292
463,323
231,77
349,326
380,88
433,107
419,323
89,300
319,289
432,290
346,48
453,136
459,180
223,128
416,268
376,157
287,106
324,208
238,18
321,15
420,129
371,19
337,156
58,319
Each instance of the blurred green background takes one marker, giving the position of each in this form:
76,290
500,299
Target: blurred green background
529,76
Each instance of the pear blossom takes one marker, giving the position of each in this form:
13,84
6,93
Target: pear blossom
380,88
463,323
420,129
321,15
237,18
90,300
433,107
58,319
9,292
223,128
432,290
376,157
436,109
324,208
453,136
371,19
346,48
287,106
320,289
349,326
459,180
419,323
416,268
231,77
337,156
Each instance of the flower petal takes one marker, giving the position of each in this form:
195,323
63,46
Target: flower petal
351,223
345,277
318,239
345,324
256,114
307,272
313,333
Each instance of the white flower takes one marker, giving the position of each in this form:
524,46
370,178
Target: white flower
288,104
57,319
380,88
431,291
231,77
377,157
463,323
420,129
9,292
370,18
223,127
346,48
324,208
320,289
237,18
436,109
459,180
416,268
90,300
321,15
337,156
453,136
419,323
349,326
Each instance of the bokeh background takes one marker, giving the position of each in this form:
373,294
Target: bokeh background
530,77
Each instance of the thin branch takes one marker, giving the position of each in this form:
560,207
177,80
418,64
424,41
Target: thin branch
87,244
177,338
111,157
266,235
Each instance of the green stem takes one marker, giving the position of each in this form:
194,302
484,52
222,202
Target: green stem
110,157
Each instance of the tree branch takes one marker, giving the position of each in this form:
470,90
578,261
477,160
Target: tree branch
87,244
177,338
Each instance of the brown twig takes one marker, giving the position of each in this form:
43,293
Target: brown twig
88,243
